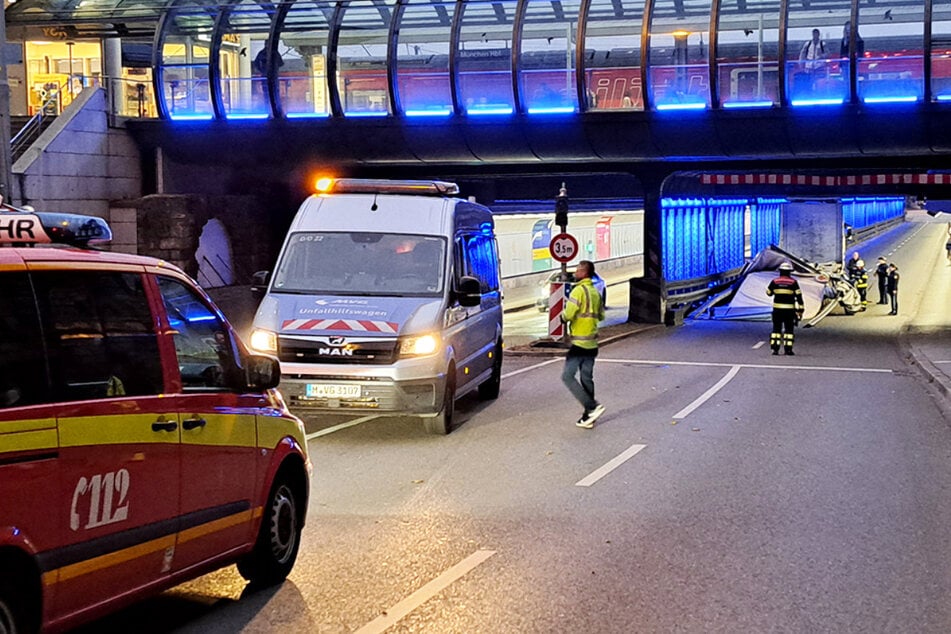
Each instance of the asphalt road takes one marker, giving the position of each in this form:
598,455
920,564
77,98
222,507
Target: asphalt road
724,490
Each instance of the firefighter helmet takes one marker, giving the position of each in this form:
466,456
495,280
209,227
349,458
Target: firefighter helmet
786,267
860,264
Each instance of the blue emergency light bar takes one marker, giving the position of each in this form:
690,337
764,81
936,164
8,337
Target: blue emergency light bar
22,227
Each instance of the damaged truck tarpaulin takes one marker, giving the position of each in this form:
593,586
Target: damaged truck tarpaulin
824,288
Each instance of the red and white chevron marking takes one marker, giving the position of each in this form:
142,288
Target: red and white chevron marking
825,181
357,325
556,305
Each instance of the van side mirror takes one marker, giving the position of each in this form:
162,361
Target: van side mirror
262,372
470,291
259,282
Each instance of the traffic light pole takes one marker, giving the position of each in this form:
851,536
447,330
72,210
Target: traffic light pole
561,219
6,169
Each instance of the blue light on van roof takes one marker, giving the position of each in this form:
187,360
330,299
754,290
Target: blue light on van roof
486,228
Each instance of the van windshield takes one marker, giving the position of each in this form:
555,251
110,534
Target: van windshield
362,263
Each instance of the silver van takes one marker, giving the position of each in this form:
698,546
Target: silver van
386,298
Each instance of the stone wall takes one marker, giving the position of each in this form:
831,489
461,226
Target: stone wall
79,164
169,227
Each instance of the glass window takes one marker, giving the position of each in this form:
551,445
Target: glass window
888,47
548,56
361,51
748,55
302,78
679,54
202,343
22,361
613,55
243,63
422,58
481,260
816,72
186,46
485,57
941,50
99,333
365,264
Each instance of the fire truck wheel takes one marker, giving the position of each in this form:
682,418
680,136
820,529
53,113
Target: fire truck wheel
279,538
12,621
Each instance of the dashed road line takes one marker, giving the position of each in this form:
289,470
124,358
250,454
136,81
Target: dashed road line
424,594
330,430
703,398
608,467
758,345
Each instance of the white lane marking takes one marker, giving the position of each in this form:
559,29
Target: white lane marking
330,430
531,367
759,345
610,466
424,594
713,364
703,398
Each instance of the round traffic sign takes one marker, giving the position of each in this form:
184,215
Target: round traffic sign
563,247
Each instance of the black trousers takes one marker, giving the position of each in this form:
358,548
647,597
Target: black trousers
882,293
784,325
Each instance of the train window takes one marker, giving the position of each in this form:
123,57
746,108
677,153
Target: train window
422,58
941,50
679,58
613,68
816,74
485,57
303,89
242,61
185,47
361,77
888,51
748,56
547,57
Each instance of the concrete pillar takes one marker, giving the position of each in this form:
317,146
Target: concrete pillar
6,167
112,67
648,295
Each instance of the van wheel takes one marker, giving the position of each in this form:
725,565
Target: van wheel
278,539
12,606
489,390
441,424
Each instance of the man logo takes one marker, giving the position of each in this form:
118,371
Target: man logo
338,348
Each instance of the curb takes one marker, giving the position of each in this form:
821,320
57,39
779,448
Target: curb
549,348
935,377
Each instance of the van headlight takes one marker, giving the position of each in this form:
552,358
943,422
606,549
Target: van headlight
263,341
419,345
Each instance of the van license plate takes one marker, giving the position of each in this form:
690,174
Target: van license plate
321,390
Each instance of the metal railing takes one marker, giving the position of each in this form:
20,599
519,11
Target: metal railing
37,123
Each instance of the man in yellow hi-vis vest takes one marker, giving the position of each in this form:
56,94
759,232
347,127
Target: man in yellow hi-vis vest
583,311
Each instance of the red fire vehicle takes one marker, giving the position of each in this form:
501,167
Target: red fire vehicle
141,444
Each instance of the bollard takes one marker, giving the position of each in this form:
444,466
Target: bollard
556,305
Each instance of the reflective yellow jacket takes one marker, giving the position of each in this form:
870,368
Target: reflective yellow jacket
583,311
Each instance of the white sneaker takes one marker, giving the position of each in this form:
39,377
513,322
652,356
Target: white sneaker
594,414
585,423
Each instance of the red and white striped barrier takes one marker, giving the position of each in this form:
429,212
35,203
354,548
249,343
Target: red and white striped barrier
359,325
556,305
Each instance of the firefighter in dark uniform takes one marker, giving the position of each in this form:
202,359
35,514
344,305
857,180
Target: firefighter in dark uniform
787,309
860,281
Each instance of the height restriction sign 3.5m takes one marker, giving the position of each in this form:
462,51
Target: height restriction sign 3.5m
563,247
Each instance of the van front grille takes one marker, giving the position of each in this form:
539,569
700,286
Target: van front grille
364,351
